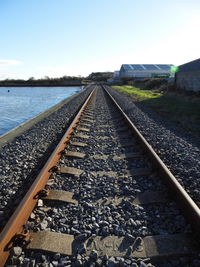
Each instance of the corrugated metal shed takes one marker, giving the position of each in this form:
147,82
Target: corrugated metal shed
190,66
148,67
188,76
142,71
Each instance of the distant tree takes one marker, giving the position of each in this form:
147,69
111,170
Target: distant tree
31,79
100,76
46,81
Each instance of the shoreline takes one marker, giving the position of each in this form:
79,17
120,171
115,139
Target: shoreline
42,85
22,159
26,125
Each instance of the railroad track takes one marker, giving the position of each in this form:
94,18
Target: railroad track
104,198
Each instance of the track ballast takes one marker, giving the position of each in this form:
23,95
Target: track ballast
105,203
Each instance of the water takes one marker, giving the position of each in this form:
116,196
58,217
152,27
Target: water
23,103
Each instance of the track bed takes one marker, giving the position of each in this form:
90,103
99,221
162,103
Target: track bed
105,202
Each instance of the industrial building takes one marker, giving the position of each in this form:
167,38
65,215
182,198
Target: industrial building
142,71
188,76
116,74
115,77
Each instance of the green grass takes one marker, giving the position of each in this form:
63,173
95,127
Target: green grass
180,108
137,92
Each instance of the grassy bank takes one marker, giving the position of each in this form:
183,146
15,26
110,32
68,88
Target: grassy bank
138,93
180,108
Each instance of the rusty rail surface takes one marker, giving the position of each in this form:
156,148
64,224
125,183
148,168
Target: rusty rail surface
14,230
188,206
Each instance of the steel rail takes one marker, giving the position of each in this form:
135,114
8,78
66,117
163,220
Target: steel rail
15,225
188,206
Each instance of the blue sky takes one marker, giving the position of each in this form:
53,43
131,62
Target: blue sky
65,37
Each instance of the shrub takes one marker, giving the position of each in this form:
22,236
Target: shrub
154,83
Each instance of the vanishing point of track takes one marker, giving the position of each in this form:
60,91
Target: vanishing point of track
116,243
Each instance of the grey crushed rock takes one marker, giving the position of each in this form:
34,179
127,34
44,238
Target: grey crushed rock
89,218
175,147
22,159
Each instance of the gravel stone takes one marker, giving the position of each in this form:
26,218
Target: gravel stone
17,251
94,254
105,201
179,149
112,262
22,159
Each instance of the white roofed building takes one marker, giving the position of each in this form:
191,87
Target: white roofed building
142,71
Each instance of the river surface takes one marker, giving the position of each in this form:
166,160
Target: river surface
18,104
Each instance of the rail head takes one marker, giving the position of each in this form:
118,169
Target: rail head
23,211
15,225
189,208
